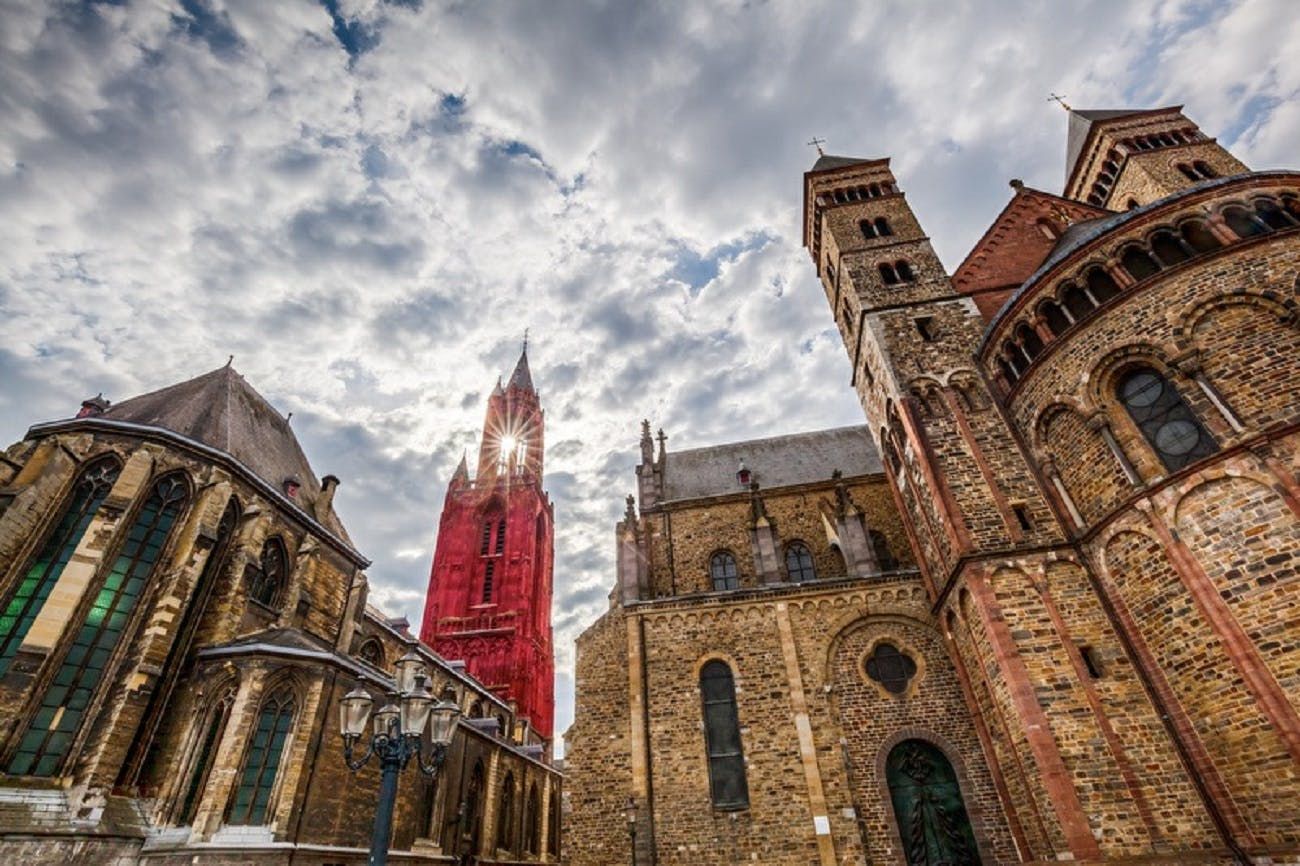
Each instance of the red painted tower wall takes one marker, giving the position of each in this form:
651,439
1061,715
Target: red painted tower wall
489,599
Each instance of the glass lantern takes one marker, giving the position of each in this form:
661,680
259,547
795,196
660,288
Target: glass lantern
443,722
416,704
384,718
354,711
407,668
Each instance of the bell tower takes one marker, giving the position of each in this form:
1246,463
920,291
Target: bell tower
489,598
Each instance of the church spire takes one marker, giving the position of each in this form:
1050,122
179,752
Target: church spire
521,378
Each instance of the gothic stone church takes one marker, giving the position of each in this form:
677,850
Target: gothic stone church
1044,606
181,611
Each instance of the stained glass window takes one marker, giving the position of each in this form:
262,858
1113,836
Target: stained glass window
533,822
505,814
266,582
799,563
722,568
727,785
204,755
1164,419
257,779
63,706
22,606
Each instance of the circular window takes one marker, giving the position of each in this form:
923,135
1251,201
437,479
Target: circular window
891,668
1177,437
1142,389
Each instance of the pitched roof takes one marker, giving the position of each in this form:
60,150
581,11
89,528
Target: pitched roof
1013,245
1080,125
221,410
827,161
781,461
521,378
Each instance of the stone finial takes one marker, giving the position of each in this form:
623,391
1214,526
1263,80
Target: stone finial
630,514
1017,183
647,444
96,405
663,444
843,502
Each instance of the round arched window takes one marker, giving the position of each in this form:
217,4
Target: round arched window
1164,419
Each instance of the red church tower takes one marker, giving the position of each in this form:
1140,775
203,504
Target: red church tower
489,599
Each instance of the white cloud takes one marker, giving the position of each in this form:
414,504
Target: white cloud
370,231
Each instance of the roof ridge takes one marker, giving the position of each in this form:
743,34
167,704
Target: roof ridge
823,431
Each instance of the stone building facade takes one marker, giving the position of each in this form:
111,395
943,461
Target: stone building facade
489,598
1088,436
180,613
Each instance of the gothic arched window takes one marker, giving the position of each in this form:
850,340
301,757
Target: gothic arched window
43,572
799,563
1166,422
722,569
266,581
262,762
882,227
205,753
928,806
372,653
887,273
533,822
727,785
505,814
1203,169
880,546
904,271
553,825
66,700
868,230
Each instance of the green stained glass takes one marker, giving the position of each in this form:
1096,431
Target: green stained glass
21,608
262,762
40,751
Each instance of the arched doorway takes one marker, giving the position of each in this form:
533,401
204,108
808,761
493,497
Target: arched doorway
932,819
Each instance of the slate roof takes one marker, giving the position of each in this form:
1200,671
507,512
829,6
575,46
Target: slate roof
781,461
1080,125
1083,233
220,409
826,162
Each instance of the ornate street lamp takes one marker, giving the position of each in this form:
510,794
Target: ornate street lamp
395,736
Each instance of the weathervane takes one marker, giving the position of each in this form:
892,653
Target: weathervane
817,143
525,339
1061,99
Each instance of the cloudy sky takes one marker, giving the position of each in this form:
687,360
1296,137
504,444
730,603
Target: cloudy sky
367,202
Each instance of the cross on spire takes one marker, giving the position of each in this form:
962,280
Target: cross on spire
817,143
1061,99
525,340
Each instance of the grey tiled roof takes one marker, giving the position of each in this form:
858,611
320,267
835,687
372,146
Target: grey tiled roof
826,161
1080,125
220,409
800,458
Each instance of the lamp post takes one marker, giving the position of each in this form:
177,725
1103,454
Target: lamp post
630,809
395,735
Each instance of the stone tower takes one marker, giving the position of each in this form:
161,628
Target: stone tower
1080,455
489,599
